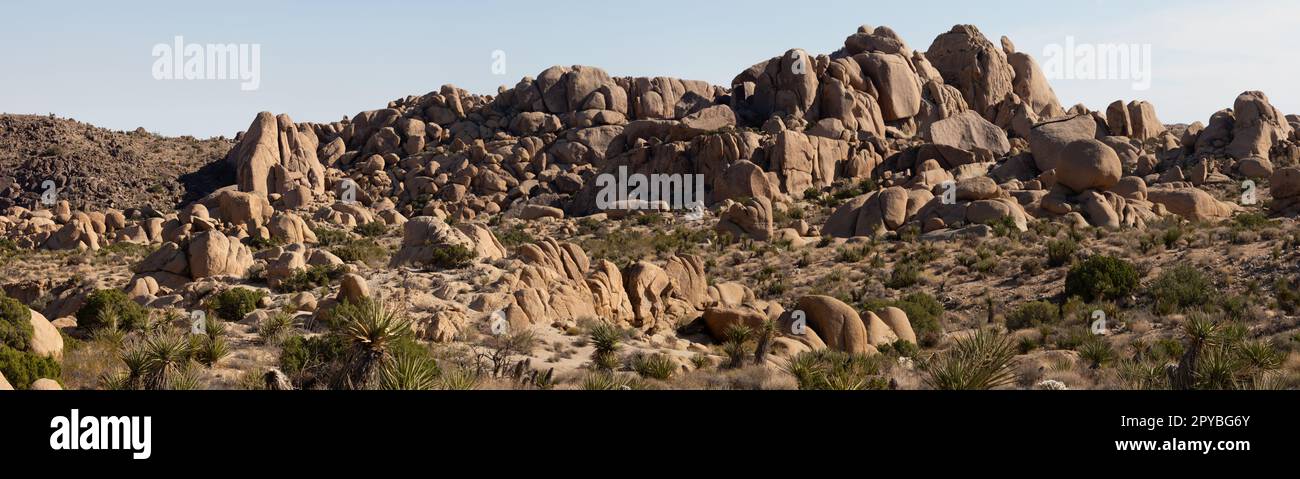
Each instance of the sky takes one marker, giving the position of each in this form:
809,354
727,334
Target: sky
95,61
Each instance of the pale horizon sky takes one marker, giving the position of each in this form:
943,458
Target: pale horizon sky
92,61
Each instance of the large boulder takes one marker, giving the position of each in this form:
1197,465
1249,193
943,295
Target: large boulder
46,340
1258,125
1031,84
423,237
1049,138
1191,203
970,62
212,253
1088,164
892,76
969,131
836,323
274,155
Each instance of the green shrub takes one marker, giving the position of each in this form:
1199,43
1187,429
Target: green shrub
309,359
365,251
1032,314
15,323
111,308
373,229
923,312
1060,252
1101,278
326,237
905,274
311,278
452,257
22,369
235,303
1180,288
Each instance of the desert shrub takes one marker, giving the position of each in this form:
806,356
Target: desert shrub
364,250
1061,252
15,323
22,368
326,237
309,360
1179,288
516,235
923,312
838,371
654,366
1101,278
905,274
452,257
311,278
111,308
258,243
978,362
1032,314
373,229
8,247
235,303
900,349
1251,222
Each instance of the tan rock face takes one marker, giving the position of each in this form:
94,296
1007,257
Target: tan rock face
1048,139
836,323
752,219
215,254
1088,164
46,340
276,142
969,131
1191,203
970,62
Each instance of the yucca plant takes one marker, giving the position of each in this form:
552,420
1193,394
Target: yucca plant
1139,375
210,347
736,336
978,362
1199,333
409,372
605,338
654,366
609,381
1097,351
275,328
164,356
837,371
370,327
458,378
766,332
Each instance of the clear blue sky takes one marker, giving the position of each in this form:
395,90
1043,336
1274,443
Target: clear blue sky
91,60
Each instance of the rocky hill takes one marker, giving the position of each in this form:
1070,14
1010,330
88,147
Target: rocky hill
97,168
874,217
